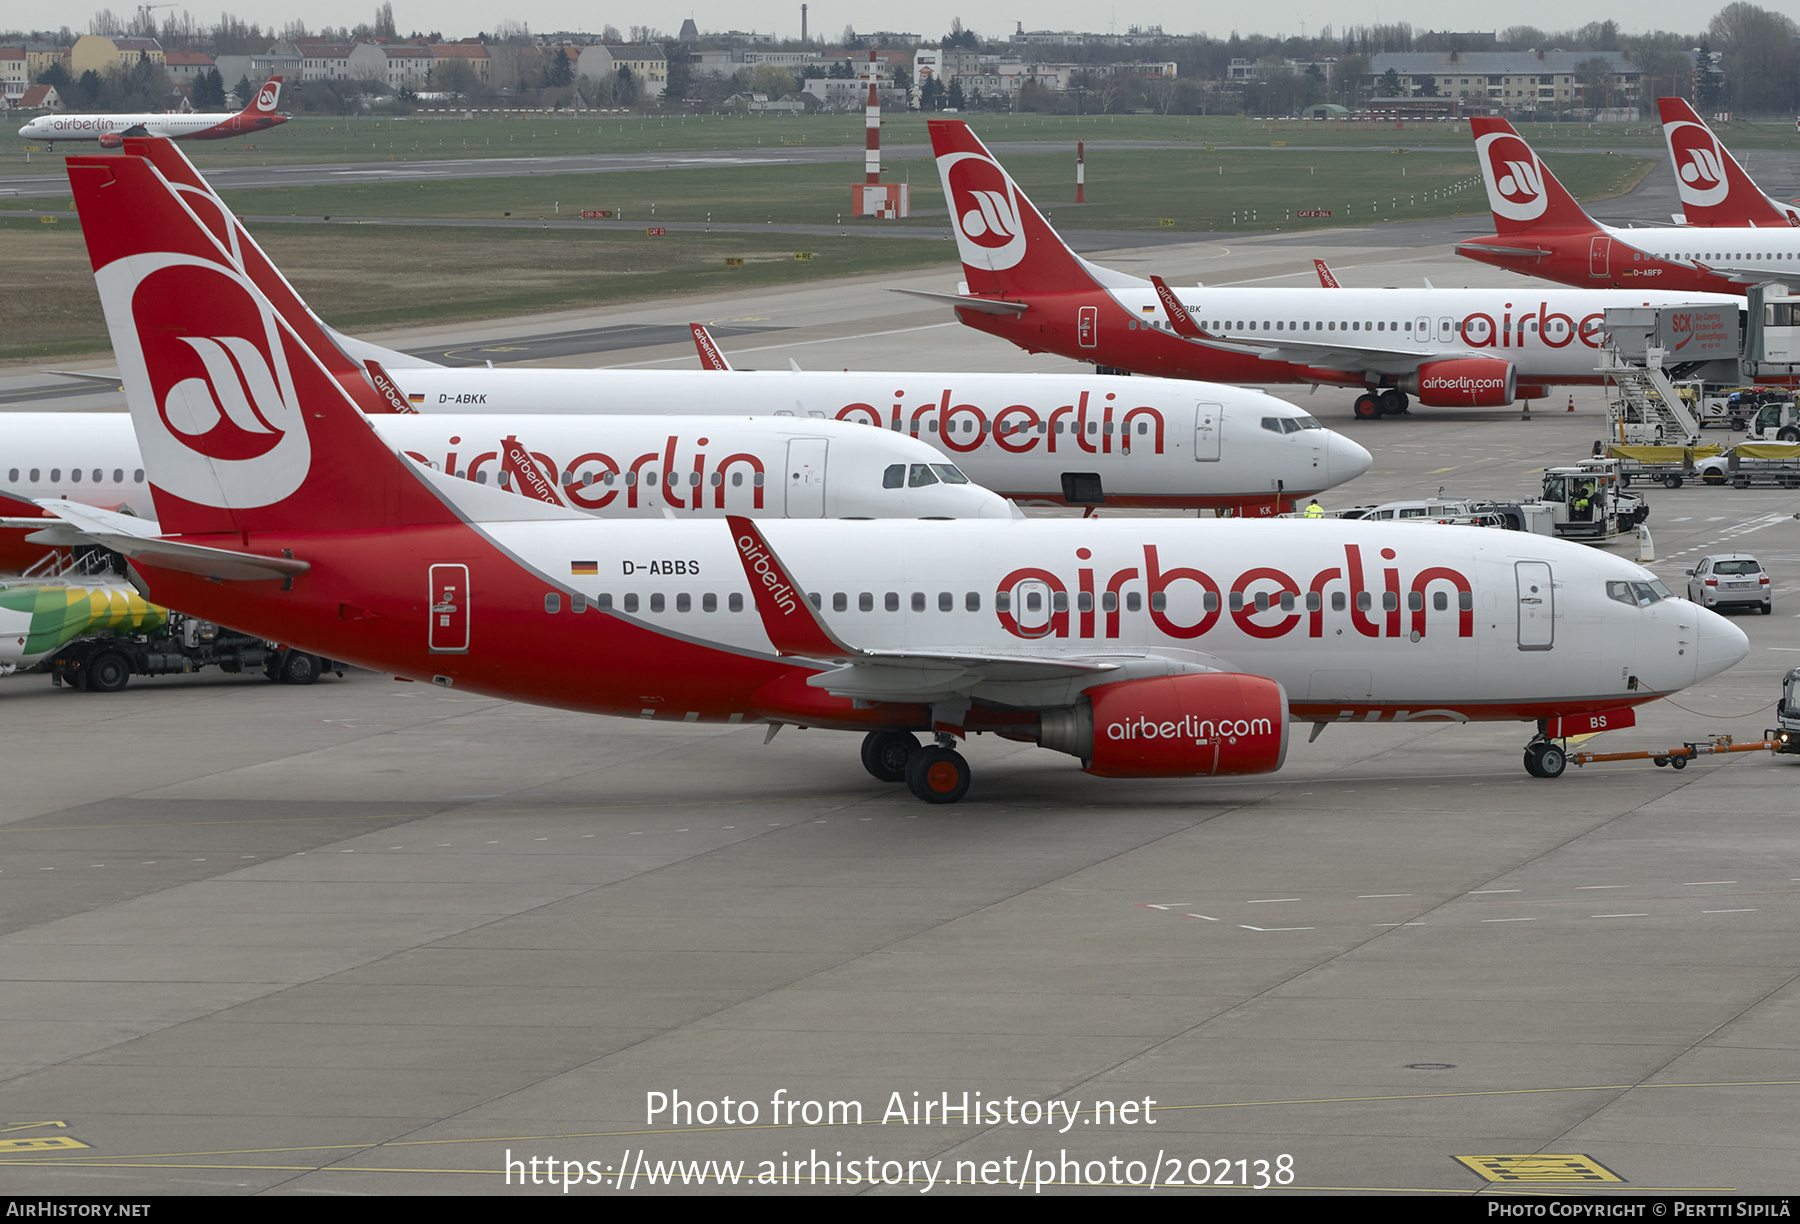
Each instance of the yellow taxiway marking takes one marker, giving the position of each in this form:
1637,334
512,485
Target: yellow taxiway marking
1540,1167
47,1143
6,1127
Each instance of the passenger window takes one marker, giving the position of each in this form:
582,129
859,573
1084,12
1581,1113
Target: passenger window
604,603
1134,602
865,602
735,602
1059,601
812,596
631,602
684,602
1465,600
1109,602
1287,601
1337,601
1084,602
1440,602
972,601
892,601
656,602
918,601
1159,602
1415,601
1034,601
946,601
1364,601
578,602
840,602
1390,602
1003,601
553,602
1313,602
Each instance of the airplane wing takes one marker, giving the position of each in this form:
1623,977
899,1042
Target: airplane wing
1748,276
992,306
1511,252
1022,678
140,539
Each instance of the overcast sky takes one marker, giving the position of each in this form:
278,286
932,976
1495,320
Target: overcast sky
931,18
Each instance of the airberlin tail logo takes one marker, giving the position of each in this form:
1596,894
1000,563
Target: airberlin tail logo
206,366
986,208
271,92
1515,179
1699,164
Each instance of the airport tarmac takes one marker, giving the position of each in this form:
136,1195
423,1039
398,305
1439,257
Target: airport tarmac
369,937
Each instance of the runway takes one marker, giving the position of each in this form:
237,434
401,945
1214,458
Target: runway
368,937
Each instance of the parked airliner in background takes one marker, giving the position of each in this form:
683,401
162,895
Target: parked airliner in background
111,130
1541,231
1143,647
1446,347
1060,439
608,466
1715,190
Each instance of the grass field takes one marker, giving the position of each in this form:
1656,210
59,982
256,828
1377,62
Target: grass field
312,139
360,278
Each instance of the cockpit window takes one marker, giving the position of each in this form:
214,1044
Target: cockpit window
1638,594
949,473
922,476
1272,424
1307,422
894,477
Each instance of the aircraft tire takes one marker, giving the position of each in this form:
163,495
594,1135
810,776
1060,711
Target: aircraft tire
938,775
1531,762
885,754
1367,408
107,672
1551,761
1393,402
298,667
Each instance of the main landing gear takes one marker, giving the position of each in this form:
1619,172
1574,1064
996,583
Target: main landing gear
1374,404
936,772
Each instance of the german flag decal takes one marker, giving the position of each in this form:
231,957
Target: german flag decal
584,567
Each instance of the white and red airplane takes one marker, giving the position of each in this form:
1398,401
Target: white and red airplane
1715,189
1542,231
608,466
111,130
1038,438
1446,347
1145,648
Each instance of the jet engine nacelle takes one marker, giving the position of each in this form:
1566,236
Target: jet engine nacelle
1464,382
112,140
1217,723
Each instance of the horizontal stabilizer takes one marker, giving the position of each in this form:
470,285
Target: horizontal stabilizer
993,306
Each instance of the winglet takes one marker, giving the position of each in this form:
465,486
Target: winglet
1326,279
788,617
1179,319
710,356
384,387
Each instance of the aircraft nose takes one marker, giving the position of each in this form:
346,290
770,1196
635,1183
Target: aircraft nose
1722,645
1344,459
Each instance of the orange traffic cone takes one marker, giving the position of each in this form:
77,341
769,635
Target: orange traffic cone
1571,401
1525,415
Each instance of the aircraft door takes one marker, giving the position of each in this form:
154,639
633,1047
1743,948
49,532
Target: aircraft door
1031,606
806,478
1537,605
448,600
1209,422
1087,326
1599,252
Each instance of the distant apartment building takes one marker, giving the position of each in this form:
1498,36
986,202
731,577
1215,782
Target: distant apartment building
648,65
1514,79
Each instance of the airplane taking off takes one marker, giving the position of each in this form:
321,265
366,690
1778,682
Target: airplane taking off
1447,347
1145,648
1040,438
1715,190
1542,231
111,130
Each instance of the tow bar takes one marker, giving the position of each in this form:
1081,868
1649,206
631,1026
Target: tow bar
1677,757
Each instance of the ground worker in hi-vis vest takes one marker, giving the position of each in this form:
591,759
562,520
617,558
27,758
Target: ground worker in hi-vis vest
1315,510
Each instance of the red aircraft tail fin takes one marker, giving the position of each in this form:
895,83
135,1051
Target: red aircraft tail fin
1007,246
243,422
266,100
710,356
1522,193
1715,189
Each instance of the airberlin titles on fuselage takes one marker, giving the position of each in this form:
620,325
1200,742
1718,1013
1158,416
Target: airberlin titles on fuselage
1184,612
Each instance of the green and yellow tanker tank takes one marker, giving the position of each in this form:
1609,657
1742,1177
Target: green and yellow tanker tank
38,617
